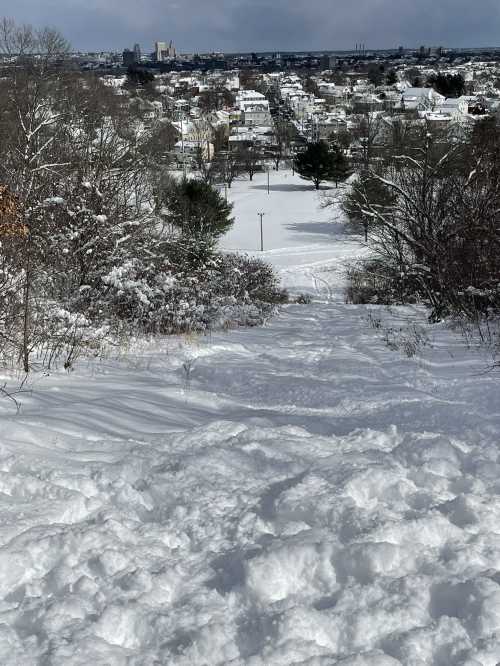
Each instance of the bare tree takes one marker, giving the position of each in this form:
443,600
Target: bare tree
30,134
367,132
250,159
283,134
228,166
435,225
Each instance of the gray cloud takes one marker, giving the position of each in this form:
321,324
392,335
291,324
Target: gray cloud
257,25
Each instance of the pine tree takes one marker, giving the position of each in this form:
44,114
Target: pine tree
391,77
316,163
341,167
198,211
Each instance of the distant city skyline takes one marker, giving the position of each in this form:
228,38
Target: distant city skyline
265,25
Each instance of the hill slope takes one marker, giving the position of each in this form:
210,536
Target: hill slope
296,494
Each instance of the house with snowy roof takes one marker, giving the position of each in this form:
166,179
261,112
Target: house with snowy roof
256,114
456,108
250,97
420,99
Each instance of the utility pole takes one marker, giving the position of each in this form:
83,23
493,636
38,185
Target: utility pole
261,215
268,180
183,148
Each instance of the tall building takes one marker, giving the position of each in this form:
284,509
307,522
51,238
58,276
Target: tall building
163,51
131,58
328,62
128,58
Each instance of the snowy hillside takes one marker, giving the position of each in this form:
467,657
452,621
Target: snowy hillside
304,493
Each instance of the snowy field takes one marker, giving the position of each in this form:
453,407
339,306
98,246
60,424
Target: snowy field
296,494
308,251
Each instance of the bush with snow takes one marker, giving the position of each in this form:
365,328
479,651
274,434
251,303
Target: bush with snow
226,290
431,216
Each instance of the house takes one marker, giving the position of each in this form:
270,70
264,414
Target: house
385,130
456,108
149,111
366,102
249,97
253,107
333,94
328,124
195,130
241,137
256,114
420,99
188,150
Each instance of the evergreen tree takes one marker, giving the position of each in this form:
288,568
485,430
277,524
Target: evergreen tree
341,167
197,211
391,77
139,77
316,163
376,74
367,187
449,85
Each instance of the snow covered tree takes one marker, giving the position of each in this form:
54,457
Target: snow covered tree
29,138
92,243
435,224
365,134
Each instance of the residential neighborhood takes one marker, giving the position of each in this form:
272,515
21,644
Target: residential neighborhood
249,102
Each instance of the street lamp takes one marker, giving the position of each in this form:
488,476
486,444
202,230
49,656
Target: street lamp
261,215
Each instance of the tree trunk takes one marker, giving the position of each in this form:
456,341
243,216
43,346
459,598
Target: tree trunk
26,317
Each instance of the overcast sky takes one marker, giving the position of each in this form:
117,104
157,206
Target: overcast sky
263,25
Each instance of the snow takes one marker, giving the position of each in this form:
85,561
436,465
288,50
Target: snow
302,493
54,201
308,250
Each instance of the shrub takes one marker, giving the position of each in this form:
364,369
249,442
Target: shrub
375,281
224,290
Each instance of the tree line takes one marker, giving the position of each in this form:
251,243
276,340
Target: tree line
430,211
97,241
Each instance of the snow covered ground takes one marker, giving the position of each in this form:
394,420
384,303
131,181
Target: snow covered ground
319,491
300,240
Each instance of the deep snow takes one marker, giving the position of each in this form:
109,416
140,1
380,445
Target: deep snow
301,493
